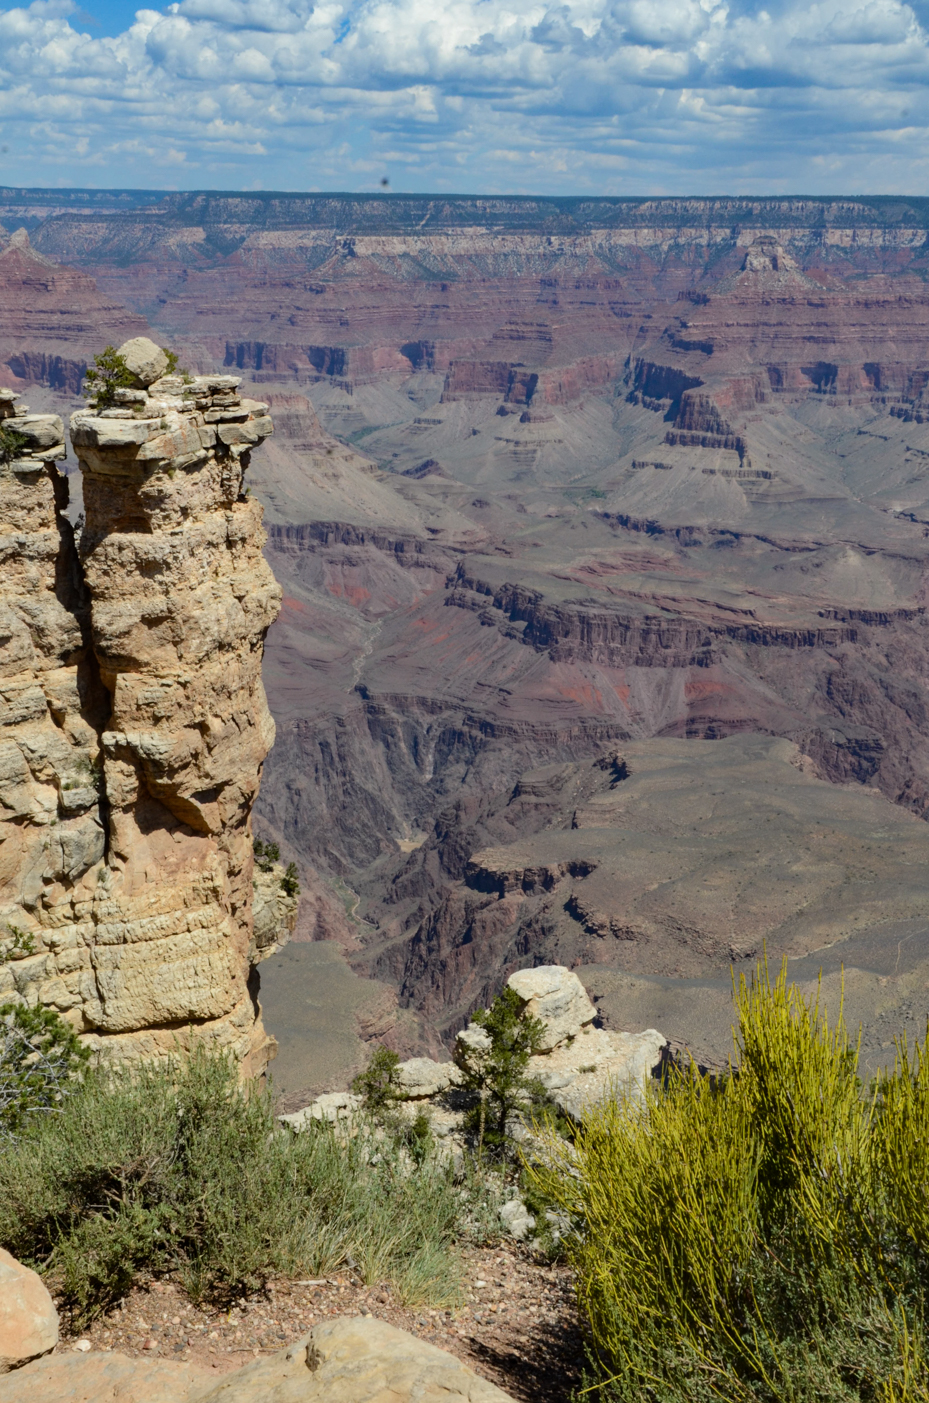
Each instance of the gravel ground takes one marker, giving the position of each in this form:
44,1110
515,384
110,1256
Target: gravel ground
518,1326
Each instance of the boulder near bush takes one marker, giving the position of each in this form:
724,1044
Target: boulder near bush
28,1318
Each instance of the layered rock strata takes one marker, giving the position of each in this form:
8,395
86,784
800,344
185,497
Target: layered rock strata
138,719
50,314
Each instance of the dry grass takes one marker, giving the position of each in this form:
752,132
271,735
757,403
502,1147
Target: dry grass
182,1170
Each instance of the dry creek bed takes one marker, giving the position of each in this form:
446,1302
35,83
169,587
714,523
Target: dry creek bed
517,1326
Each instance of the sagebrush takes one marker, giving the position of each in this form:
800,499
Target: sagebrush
180,1168
762,1237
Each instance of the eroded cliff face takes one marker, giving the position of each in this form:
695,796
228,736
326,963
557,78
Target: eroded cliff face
136,718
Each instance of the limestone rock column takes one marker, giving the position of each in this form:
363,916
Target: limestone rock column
180,601
52,835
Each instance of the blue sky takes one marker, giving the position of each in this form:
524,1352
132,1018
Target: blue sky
519,96
103,17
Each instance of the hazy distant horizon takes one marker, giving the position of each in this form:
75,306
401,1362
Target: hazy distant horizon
149,195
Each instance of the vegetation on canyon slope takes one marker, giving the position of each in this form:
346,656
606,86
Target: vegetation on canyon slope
763,1238
180,1168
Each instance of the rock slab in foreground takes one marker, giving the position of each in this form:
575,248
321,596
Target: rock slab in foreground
28,1318
104,1378
356,1360
349,1360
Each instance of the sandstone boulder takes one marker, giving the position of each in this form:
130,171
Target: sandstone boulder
517,1218
104,1378
41,431
421,1077
557,997
146,361
28,1318
597,1065
356,1360
332,1106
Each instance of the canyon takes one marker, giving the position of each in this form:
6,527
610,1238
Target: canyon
602,528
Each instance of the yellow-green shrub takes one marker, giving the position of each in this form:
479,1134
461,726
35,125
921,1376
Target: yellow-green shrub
759,1238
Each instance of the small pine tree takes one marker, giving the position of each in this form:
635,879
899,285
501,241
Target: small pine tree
378,1085
498,1074
108,374
290,886
39,1056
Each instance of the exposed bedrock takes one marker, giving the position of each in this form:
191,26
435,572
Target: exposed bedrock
137,722
705,855
397,790
769,331
584,475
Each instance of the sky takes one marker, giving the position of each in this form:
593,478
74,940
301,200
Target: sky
616,97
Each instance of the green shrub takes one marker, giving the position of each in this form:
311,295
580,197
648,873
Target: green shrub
12,443
378,1085
108,374
266,855
763,1238
290,884
418,1137
497,1077
40,1058
180,1168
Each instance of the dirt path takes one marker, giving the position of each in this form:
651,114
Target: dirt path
517,1325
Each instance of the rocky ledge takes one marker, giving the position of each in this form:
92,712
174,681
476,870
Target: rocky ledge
578,1065
134,718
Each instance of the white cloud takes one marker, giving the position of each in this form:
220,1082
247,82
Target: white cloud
601,95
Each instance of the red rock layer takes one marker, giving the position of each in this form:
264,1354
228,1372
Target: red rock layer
52,318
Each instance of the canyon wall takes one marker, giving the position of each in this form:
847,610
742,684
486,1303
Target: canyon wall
552,479
136,722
